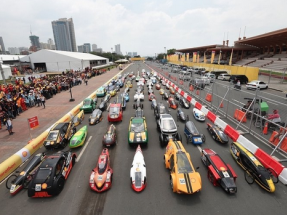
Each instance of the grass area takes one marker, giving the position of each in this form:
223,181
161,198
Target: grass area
271,72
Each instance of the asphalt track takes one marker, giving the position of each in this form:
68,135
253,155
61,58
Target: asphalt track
157,198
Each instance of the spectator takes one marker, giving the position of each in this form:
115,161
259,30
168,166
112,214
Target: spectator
43,100
9,126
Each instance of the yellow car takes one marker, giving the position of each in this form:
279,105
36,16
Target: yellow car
113,93
161,91
183,177
129,84
79,118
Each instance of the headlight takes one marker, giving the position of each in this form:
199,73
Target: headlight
108,177
92,178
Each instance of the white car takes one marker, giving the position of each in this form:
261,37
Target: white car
139,96
138,171
198,115
224,77
209,76
256,84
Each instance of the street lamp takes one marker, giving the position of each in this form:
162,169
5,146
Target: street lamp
112,54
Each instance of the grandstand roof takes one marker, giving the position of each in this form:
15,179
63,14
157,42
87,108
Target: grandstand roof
278,37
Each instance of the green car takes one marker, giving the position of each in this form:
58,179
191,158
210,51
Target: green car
101,92
79,138
89,105
138,131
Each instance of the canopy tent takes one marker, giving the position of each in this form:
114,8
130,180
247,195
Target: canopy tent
121,61
7,71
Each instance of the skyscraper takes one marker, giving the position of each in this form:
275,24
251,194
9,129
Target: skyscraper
118,49
64,34
35,41
2,47
87,47
94,47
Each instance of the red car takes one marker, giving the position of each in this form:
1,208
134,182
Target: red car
102,175
171,103
110,138
115,113
157,86
151,97
171,90
219,173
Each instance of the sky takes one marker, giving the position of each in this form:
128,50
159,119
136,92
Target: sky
141,26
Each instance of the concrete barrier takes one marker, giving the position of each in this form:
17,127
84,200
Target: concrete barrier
283,176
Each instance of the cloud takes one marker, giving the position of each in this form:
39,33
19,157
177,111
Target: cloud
144,27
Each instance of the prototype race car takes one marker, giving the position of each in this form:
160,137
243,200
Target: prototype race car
138,131
181,115
79,138
15,183
165,96
254,170
138,171
103,106
59,135
153,104
102,175
89,105
182,101
107,98
150,91
163,83
113,92
192,134
160,109
126,96
161,91
123,102
96,117
139,96
219,173
129,84
171,90
171,103
198,115
157,86
51,175
101,92
79,118
115,113
217,134
110,138
139,112
151,97
177,96
183,177
138,104
167,86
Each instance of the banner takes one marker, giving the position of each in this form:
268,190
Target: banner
212,56
194,57
219,57
230,60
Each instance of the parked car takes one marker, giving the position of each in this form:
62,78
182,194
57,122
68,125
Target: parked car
242,78
256,84
223,77
209,76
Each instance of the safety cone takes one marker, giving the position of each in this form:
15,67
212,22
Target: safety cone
197,92
265,129
221,105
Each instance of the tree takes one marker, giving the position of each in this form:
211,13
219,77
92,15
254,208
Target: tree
109,55
160,56
171,51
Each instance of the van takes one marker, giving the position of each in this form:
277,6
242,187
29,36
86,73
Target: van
209,76
224,77
185,76
217,73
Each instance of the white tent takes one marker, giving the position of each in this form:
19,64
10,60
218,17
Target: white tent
7,72
121,61
51,60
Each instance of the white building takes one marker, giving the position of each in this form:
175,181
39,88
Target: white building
14,50
7,71
52,60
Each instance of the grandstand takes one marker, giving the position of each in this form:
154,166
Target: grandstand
266,51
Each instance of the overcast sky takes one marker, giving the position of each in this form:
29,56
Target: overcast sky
142,26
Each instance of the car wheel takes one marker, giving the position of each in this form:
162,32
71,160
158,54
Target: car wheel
249,177
73,160
266,87
60,183
11,180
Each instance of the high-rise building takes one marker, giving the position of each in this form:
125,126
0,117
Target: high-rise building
94,47
118,49
13,50
87,47
35,41
2,47
64,34
135,54
51,42
81,48
132,54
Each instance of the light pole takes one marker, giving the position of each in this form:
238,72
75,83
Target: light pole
112,54
165,53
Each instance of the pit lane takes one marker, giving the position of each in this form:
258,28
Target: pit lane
157,198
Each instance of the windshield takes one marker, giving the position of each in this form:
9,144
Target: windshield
44,173
138,181
102,166
114,110
137,127
168,124
53,135
183,164
95,113
87,102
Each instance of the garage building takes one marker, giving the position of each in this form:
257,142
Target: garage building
52,60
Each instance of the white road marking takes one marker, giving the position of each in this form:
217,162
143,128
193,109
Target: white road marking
108,107
238,102
199,148
80,155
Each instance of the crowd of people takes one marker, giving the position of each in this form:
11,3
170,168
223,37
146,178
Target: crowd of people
20,96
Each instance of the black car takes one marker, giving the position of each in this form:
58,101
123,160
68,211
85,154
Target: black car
217,134
181,115
103,106
184,103
177,96
50,178
160,109
165,96
242,78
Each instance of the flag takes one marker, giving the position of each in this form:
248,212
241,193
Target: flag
194,57
212,56
204,58
219,57
230,60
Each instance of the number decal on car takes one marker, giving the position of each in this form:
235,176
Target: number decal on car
181,181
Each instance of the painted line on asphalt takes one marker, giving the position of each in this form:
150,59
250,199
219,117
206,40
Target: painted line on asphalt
199,148
238,101
80,155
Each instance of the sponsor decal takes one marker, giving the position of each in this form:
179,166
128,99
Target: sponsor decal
7,170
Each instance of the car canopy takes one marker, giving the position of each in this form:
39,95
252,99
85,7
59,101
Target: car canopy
191,127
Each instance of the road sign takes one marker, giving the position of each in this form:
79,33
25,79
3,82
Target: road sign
33,122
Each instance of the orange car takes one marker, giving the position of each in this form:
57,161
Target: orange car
183,177
171,90
157,86
171,103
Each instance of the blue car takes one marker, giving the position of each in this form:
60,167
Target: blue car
192,134
126,96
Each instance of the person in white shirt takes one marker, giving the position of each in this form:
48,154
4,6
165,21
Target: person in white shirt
9,126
